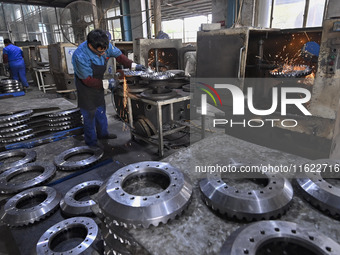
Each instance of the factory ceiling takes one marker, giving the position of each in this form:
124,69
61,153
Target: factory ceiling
171,9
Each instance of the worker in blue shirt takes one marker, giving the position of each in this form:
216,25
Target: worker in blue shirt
13,56
89,62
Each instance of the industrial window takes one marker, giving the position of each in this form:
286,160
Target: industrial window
290,13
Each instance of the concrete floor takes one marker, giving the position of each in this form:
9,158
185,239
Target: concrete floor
199,230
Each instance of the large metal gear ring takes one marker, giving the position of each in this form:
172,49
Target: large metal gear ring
132,210
7,186
278,237
269,202
82,228
73,205
27,157
67,165
18,211
316,187
15,116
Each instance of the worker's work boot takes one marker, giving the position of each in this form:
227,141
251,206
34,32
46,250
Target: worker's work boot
109,136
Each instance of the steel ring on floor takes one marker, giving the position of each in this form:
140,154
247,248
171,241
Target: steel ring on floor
30,206
64,113
7,185
271,201
76,228
278,237
15,115
62,162
27,156
316,185
74,205
128,207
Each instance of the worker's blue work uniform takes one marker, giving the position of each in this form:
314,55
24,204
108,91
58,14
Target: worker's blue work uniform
91,99
16,63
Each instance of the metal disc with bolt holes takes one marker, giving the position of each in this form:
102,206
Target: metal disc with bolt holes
64,113
27,156
73,205
316,187
15,116
133,208
30,206
7,185
62,162
58,238
271,201
278,237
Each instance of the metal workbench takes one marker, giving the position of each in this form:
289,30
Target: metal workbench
182,96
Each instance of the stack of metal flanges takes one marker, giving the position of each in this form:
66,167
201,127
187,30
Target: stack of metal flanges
10,86
21,125
124,201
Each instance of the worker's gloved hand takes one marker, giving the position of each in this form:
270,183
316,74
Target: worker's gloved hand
140,67
105,84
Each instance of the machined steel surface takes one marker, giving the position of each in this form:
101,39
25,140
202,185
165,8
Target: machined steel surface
252,239
291,71
15,139
8,186
317,189
62,162
84,228
27,157
15,115
271,201
17,211
4,131
72,205
17,133
129,209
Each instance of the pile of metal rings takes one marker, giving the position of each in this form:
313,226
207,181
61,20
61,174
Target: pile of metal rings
10,86
21,125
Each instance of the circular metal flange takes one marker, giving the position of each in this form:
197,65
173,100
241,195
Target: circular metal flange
6,186
63,164
149,95
318,191
64,113
9,81
251,238
16,213
75,122
27,157
71,205
15,115
142,211
80,227
269,202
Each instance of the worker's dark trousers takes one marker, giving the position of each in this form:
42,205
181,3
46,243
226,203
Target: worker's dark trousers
18,71
95,125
